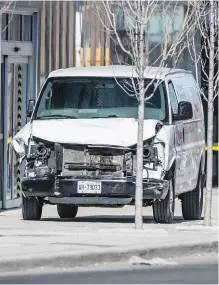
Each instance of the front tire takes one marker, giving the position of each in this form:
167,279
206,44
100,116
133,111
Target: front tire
67,211
192,202
163,210
31,209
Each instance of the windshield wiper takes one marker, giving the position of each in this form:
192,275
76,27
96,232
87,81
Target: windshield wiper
110,116
57,116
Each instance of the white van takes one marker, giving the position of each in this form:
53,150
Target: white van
80,143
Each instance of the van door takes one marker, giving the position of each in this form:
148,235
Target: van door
180,170
195,130
189,134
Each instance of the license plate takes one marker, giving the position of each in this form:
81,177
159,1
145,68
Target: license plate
89,187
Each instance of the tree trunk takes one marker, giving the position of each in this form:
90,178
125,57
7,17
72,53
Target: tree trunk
139,165
196,62
208,197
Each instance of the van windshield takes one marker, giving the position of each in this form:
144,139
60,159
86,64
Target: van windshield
82,98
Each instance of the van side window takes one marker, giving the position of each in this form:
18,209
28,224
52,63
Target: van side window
173,98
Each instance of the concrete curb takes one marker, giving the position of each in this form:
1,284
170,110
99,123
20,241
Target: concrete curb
71,259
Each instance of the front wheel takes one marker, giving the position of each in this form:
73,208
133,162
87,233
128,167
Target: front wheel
192,202
163,210
31,208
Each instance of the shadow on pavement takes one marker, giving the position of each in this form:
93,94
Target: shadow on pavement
111,219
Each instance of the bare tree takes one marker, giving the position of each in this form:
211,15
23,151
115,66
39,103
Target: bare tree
135,45
5,5
207,14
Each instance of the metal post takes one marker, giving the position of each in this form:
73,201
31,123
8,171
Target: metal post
35,54
5,145
2,182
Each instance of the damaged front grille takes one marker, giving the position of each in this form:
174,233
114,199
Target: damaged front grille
92,162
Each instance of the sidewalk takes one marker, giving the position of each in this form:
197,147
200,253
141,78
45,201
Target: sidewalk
98,235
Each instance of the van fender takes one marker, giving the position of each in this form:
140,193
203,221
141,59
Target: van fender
171,164
20,140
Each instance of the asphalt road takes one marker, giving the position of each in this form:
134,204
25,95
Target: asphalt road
199,270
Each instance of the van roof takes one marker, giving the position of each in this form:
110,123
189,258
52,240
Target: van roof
118,71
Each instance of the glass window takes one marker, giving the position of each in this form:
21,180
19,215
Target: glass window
179,86
27,28
98,98
4,27
161,17
15,28
173,99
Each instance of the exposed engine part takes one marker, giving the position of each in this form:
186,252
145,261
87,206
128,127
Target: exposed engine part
42,171
146,152
42,151
46,160
41,161
150,155
58,157
93,162
38,152
147,203
128,164
153,161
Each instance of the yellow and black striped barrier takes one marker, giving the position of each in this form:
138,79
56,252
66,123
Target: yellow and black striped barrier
19,117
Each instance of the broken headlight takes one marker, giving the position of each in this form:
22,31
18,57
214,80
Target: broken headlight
37,160
150,157
38,152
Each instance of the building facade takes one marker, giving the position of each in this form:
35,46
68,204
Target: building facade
40,36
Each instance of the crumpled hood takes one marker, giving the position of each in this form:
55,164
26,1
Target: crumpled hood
110,131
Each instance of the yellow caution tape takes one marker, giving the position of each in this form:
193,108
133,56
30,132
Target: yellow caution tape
215,147
9,140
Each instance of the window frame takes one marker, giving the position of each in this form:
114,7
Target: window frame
177,101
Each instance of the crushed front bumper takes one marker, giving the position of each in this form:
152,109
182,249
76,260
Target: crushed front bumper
114,190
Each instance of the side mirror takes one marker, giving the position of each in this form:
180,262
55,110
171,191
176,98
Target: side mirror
185,111
30,108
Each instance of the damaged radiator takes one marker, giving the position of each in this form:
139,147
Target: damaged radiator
92,162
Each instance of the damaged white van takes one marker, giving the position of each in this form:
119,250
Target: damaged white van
80,143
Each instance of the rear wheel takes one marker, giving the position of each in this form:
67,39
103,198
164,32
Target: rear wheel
163,210
67,211
192,202
31,208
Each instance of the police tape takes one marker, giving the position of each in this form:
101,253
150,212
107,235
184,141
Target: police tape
9,140
215,147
